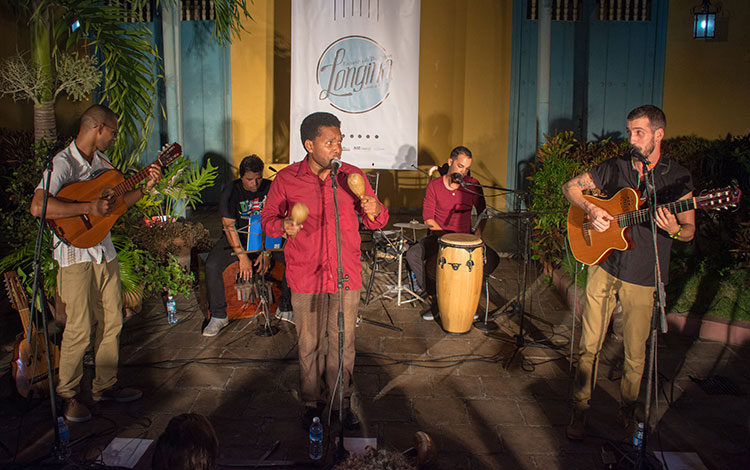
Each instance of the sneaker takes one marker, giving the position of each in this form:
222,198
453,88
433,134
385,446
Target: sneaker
214,326
627,421
75,411
576,430
351,421
428,315
286,314
118,394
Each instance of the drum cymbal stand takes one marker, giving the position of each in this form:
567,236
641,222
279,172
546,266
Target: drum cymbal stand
363,319
517,306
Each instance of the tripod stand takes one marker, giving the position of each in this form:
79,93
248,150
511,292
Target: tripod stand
517,306
265,298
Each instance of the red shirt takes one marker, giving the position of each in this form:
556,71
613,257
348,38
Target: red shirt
311,260
451,209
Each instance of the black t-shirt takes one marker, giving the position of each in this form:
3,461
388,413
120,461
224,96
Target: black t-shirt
239,204
673,181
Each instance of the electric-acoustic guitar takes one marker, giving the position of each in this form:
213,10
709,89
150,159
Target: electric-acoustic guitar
591,247
85,231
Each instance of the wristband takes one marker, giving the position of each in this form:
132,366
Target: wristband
679,231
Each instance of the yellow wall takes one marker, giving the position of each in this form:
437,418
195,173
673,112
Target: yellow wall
252,84
707,82
464,88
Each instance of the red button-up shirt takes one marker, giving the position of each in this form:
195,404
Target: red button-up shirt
311,260
451,208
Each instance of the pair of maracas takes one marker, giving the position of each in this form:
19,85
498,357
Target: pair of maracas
356,183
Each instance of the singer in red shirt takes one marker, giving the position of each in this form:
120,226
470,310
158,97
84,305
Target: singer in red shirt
311,259
447,208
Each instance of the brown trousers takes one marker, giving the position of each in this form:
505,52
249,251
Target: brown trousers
315,316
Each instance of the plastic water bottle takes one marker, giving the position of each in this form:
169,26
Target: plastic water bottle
63,449
638,436
316,439
171,310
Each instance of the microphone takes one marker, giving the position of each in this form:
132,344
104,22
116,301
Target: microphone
640,157
335,164
273,169
458,178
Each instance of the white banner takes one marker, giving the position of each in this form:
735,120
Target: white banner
359,60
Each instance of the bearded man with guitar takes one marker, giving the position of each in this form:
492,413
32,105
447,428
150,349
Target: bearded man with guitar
627,275
88,278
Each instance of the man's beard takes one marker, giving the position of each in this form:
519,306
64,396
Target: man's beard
649,149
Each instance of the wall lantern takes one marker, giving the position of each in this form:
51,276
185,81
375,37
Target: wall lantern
704,21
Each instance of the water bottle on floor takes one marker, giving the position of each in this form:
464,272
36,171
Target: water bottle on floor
171,310
63,445
316,439
638,436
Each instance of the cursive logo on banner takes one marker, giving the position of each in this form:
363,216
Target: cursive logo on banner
354,74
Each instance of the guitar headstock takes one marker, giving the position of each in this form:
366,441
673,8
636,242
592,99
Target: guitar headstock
719,198
16,292
169,153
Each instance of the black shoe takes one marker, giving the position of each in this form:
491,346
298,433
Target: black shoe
310,413
351,421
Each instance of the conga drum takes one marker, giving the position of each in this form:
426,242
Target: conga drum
460,264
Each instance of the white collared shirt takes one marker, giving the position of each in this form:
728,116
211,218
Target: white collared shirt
69,167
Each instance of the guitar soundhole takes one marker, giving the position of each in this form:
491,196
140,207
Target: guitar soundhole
626,202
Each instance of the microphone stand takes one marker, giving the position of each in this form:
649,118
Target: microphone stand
37,295
658,315
340,451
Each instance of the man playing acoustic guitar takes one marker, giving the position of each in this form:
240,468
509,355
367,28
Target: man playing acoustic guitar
88,279
627,275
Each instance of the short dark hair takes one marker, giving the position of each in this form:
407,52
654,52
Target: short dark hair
98,114
460,150
188,443
251,163
656,117
310,127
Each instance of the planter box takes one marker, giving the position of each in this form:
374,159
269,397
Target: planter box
708,327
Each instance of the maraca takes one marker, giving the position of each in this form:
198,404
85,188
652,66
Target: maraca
299,213
357,185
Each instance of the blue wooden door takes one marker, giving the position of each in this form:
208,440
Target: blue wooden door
604,62
206,103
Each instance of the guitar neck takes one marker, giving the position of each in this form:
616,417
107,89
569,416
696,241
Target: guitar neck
643,215
129,183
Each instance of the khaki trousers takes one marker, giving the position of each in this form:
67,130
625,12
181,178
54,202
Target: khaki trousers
92,296
315,316
602,292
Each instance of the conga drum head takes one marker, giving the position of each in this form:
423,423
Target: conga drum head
460,239
460,265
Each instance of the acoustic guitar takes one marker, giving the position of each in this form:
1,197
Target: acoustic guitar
85,231
592,247
29,356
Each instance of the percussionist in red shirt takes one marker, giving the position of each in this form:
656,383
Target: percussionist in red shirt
447,209
311,260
